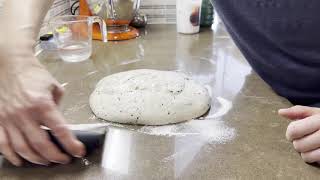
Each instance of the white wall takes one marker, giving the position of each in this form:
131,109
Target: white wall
159,11
1,5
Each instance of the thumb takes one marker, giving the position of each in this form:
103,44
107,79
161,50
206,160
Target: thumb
298,112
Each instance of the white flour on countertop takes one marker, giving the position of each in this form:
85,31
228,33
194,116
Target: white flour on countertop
209,128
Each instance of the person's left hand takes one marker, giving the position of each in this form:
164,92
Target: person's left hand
304,131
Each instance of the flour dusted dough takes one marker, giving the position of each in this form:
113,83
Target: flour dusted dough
149,97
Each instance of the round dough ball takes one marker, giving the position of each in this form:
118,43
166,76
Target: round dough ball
149,97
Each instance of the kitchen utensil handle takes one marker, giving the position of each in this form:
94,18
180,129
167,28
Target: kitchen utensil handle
91,139
103,27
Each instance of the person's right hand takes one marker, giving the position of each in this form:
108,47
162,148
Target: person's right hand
304,131
28,99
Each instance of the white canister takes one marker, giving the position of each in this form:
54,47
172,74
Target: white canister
188,16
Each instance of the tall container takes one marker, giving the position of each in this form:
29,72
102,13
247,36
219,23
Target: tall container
188,16
207,13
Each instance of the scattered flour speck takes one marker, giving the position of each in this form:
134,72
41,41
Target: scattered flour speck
210,130
85,162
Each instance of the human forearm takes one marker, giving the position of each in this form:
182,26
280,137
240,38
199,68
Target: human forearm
29,95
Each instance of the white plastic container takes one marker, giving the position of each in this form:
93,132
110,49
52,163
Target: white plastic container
188,16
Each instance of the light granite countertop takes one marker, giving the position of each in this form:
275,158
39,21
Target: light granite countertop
242,137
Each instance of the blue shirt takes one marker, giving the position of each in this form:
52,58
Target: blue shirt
281,41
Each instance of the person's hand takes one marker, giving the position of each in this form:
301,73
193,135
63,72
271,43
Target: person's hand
29,96
304,131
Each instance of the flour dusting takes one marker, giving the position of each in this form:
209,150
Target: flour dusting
85,162
209,128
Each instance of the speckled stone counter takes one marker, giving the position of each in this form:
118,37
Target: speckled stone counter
242,137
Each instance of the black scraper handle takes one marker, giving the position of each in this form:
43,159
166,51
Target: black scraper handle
91,139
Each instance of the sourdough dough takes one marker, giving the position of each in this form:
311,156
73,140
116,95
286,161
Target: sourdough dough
149,97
